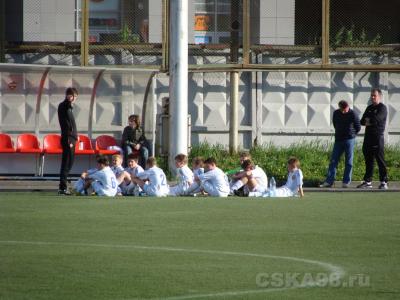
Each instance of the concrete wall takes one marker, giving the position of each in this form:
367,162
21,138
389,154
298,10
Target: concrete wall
275,107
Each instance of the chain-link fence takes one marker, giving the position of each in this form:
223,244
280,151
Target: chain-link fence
40,32
124,32
285,32
216,32
364,32
220,32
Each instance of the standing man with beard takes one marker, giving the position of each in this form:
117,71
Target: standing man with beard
69,136
374,120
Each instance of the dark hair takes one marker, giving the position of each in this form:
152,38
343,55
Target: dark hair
343,104
247,163
102,159
71,91
133,156
181,158
376,90
135,118
210,160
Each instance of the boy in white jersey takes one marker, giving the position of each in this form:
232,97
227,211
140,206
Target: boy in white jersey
236,184
125,185
198,169
118,169
103,181
185,176
293,185
252,177
79,186
214,181
153,180
133,169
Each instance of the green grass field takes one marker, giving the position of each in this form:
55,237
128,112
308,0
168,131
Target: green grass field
54,247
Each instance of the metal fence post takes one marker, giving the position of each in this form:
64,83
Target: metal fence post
2,30
325,31
85,33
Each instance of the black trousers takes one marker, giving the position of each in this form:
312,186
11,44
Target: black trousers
67,160
374,149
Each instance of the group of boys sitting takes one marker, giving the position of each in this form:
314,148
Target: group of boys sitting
205,178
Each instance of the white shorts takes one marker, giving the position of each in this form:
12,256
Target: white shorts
259,188
152,190
213,191
79,185
194,188
127,189
283,192
100,191
280,192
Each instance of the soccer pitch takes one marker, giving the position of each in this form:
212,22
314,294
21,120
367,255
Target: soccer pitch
324,246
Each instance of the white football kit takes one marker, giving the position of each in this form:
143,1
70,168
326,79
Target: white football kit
129,189
215,183
195,186
79,185
157,182
262,180
117,170
185,179
290,189
104,182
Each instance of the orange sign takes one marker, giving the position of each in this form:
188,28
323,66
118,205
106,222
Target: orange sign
202,23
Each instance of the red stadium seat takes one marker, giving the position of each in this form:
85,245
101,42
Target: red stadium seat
6,144
28,143
86,147
52,144
104,145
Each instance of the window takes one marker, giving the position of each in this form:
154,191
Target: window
212,22
104,18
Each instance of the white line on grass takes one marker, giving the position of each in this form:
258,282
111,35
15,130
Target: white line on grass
337,271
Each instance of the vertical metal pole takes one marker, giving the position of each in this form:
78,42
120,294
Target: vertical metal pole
246,32
325,31
234,79
234,113
2,31
165,35
178,78
92,102
85,33
39,100
154,121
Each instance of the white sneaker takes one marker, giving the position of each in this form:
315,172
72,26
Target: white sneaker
383,186
326,185
345,185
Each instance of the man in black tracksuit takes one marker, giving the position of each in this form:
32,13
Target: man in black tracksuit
374,120
69,136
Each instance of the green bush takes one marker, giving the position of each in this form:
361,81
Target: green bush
314,158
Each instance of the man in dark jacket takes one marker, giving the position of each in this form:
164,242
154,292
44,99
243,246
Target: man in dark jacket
69,136
374,120
347,124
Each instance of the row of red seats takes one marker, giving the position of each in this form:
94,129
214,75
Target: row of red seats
29,143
